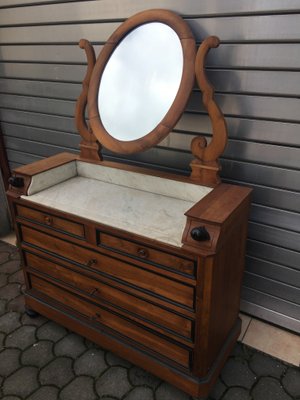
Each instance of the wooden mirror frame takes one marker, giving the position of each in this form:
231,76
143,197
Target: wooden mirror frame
177,107
206,166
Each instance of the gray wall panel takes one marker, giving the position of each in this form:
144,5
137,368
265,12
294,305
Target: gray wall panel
274,254
256,75
120,9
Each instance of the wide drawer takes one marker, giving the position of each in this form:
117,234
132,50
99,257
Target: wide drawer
104,293
97,314
153,283
146,253
49,220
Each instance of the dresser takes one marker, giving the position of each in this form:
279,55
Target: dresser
145,263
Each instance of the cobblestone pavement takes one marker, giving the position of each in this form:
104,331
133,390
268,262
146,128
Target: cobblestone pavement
42,360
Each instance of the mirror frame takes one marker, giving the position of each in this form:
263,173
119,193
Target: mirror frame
177,107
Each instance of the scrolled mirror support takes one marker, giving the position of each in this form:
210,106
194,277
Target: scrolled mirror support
206,166
90,148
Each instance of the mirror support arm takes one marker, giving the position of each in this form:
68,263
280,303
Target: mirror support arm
206,166
90,148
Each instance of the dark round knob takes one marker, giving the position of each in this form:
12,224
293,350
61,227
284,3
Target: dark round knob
200,234
16,181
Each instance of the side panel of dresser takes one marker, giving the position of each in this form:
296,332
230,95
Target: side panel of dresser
224,213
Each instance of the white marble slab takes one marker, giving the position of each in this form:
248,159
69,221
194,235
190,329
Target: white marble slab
52,177
143,204
152,184
148,214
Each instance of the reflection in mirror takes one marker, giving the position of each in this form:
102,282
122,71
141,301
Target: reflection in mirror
140,81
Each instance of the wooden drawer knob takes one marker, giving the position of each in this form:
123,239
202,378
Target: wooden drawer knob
94,291
200,234
96,317
91,262
143,253
47,220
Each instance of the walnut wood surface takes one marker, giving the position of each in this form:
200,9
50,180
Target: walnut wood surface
170,119
206,167
175,291
105,294
101,315
89,147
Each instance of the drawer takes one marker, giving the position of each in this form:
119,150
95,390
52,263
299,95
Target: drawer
146,253
101,292
57,223
153,283
97,314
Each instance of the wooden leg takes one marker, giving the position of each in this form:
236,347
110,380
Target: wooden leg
31,313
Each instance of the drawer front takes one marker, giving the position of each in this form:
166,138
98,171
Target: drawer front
113,321
101,292
145,253
129,273
60,224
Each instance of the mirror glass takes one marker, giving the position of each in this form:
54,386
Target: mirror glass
140,81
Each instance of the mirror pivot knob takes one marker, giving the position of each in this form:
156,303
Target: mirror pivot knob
16,181
200,234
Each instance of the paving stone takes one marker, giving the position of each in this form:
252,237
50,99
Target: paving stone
9,361
51,331
9,322
4,256
291,382
10,398
138,377
113,383
39,354
269,389
263,365
114,360
58,372
3,279
21,338
240,350
17,277
2,339
2,308
169,392
17,304
71,345
218,390
140,393
10,267
81,388
237,373
15,255
22,383
44,393
236,393
10,291
90,363
36,321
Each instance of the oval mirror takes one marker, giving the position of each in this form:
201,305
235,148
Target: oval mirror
141,81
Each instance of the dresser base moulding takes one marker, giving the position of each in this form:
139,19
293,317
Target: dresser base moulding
197,387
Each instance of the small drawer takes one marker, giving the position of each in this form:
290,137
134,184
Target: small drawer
57,223
103,293
121,326
144,280
145,253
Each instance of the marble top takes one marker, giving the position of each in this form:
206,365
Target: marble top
152,215
146,205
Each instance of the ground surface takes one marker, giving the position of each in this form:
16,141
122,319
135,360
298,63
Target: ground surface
42,360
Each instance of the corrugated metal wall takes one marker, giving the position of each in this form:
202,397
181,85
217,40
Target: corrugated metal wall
256,75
